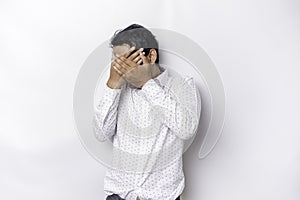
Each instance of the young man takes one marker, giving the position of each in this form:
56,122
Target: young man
148,114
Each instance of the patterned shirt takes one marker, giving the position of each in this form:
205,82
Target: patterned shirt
148,128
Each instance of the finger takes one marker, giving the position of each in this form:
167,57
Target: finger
140,61
135,54
122,63
137,59
144,58
129,64
120,68
128,52
117,70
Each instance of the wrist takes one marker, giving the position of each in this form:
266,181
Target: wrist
113,84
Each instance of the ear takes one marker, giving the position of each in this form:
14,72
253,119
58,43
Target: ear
152,56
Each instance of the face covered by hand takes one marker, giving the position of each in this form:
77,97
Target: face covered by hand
133,71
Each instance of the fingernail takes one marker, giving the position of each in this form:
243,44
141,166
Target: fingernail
141,49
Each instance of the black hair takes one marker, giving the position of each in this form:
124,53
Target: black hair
137,36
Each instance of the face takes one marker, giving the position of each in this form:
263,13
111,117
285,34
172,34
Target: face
119,50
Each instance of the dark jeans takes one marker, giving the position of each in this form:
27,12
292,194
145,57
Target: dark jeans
117,197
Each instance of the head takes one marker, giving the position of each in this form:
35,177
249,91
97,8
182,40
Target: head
138,37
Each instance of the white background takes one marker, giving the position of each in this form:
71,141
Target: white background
254,44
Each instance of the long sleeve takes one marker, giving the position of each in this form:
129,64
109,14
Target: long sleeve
181,105
105,115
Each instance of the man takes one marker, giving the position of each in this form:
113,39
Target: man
148,114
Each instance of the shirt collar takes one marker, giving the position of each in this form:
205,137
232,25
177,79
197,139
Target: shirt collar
163,76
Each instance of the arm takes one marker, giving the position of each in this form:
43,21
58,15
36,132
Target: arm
105,116
181,107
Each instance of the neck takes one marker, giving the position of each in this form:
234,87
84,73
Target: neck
155,70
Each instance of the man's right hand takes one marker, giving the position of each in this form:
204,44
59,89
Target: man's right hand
116,80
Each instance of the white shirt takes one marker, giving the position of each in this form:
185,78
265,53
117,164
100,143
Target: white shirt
148,128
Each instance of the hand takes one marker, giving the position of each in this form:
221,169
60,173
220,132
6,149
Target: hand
137,75
123,65
115,79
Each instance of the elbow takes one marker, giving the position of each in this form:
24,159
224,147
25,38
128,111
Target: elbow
99,135
187,132
188,129
98,130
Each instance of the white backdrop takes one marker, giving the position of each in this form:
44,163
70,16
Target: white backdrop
254,44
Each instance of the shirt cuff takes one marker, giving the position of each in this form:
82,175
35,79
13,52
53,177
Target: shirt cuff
112,89
112,92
